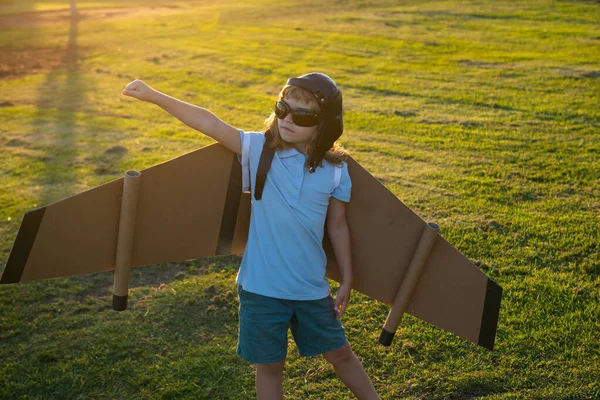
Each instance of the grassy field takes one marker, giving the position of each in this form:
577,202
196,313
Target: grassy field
481,116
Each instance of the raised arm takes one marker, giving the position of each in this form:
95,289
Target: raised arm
193,116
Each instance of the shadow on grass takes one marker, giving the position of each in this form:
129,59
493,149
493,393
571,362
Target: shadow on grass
61,95
177,338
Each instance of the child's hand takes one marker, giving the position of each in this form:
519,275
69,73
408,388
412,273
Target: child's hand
139,90
342,299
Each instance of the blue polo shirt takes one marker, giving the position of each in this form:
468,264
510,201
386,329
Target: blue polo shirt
284,256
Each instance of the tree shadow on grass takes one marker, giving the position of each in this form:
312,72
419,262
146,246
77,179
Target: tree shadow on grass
60,97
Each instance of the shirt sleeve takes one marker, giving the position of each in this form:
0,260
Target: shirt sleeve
239,156
244,159
342,192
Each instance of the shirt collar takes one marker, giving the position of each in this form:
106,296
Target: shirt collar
289,153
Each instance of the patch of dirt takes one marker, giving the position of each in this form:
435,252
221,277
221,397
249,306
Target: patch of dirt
574,73
14,63
484,64
118,150
17,143
443,121
42,18
105,169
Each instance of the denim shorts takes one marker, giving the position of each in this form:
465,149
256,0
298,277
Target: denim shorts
264,324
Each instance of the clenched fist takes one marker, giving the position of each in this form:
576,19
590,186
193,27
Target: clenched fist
139,90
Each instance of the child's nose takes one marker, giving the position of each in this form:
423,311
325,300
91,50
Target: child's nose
288,118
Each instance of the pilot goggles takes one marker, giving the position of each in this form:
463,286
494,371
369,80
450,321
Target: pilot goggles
300,117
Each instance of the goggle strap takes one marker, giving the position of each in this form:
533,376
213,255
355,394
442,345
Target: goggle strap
309,85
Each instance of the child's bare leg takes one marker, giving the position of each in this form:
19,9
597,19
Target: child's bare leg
269,381
351,372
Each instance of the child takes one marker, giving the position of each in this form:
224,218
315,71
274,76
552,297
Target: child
305,184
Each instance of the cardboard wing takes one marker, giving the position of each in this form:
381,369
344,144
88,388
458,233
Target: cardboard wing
192,207
400,260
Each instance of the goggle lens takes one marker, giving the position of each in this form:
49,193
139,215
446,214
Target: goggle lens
300,117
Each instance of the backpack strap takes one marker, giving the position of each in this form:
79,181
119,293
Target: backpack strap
264,164
266,158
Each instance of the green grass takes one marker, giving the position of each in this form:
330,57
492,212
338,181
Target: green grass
481,116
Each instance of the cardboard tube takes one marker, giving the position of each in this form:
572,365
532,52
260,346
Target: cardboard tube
409,283
129,201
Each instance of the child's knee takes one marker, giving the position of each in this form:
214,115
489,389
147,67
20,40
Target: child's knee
340,356
271,368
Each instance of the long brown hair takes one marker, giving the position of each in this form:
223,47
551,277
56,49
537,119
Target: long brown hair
336,155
